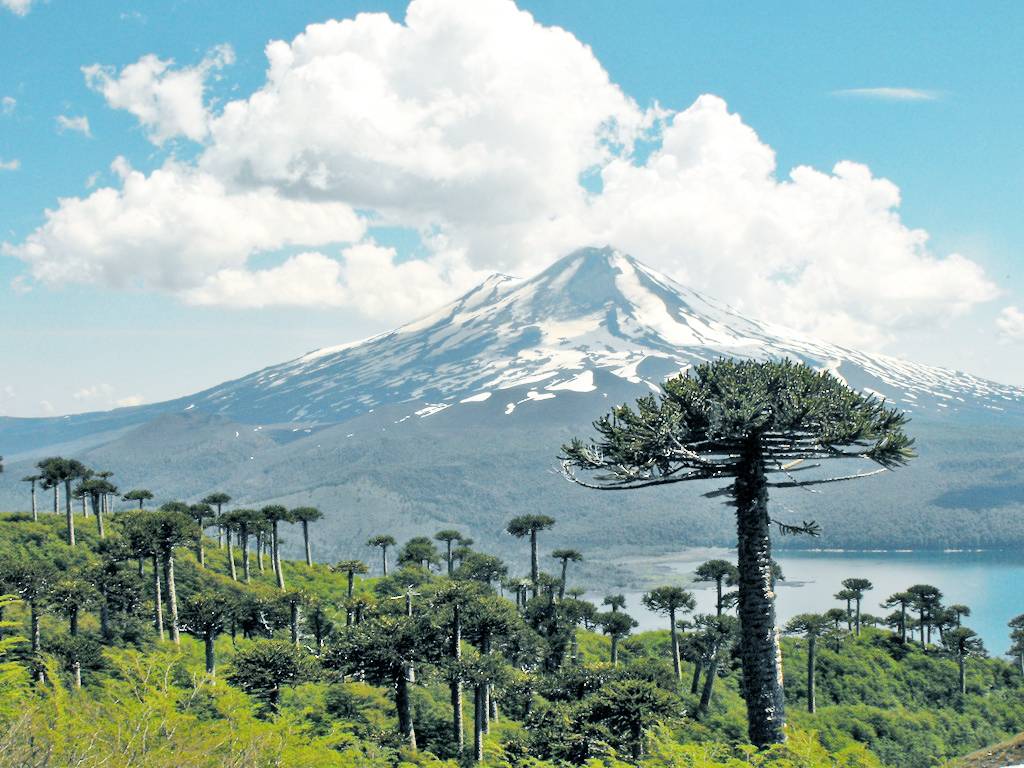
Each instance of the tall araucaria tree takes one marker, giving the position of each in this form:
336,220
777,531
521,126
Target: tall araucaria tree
449,536
617,625
306,515
275,514
97,490
858,587
171,526
217,500
900,600
200,512
811,626
141,495
204,615
926,600
565,556
723,573
754,425
960,643
33,479
671,601
529,525
383,541
59,471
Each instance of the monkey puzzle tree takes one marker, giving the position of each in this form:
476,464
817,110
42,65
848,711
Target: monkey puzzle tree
384,652
217,500
97,489
306,515
201,512
722,572
485,569
745,422
849,596
565,556
926,600
419,551
263,667
959,610
718,636
960,643
58,471
383,541
627,707
529,525
857,588
670,601
274,514
449,536
33,479
30,579
350,568
1016,625
451,599
617,625
811,626
141,495
901,600
203,615
614,602
171,527
243,521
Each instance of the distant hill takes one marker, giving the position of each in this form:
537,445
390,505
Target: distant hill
458,418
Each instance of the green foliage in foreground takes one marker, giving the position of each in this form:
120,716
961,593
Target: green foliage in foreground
151,704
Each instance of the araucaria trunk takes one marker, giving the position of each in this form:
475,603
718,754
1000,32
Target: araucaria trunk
404,706
172,596
295,622
759,649
963,674
245,553
305,538
211,661
68,513
35,510
698,667
98,512
478,723
675,644
456,684
275,555
534,570
158,608
709,686
231,559
811,641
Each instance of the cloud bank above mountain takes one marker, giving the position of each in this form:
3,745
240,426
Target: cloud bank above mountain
505,144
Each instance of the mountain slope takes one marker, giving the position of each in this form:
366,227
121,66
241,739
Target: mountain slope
458,417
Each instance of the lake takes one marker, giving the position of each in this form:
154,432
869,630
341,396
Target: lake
991,582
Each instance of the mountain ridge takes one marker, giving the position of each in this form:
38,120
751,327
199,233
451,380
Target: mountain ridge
457,417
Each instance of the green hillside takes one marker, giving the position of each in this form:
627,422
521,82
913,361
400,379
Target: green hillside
327,701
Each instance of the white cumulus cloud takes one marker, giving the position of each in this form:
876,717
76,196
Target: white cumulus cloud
168,102
1010,324
9,165
8,105
474,124
17,7
78,124
172,229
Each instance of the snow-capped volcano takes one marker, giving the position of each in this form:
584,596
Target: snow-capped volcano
594,313
457,419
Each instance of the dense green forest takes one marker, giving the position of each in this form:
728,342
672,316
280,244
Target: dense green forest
311,675
135,639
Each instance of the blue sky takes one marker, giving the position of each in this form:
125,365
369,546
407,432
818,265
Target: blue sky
951,144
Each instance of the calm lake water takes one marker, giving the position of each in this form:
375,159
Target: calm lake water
990,582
